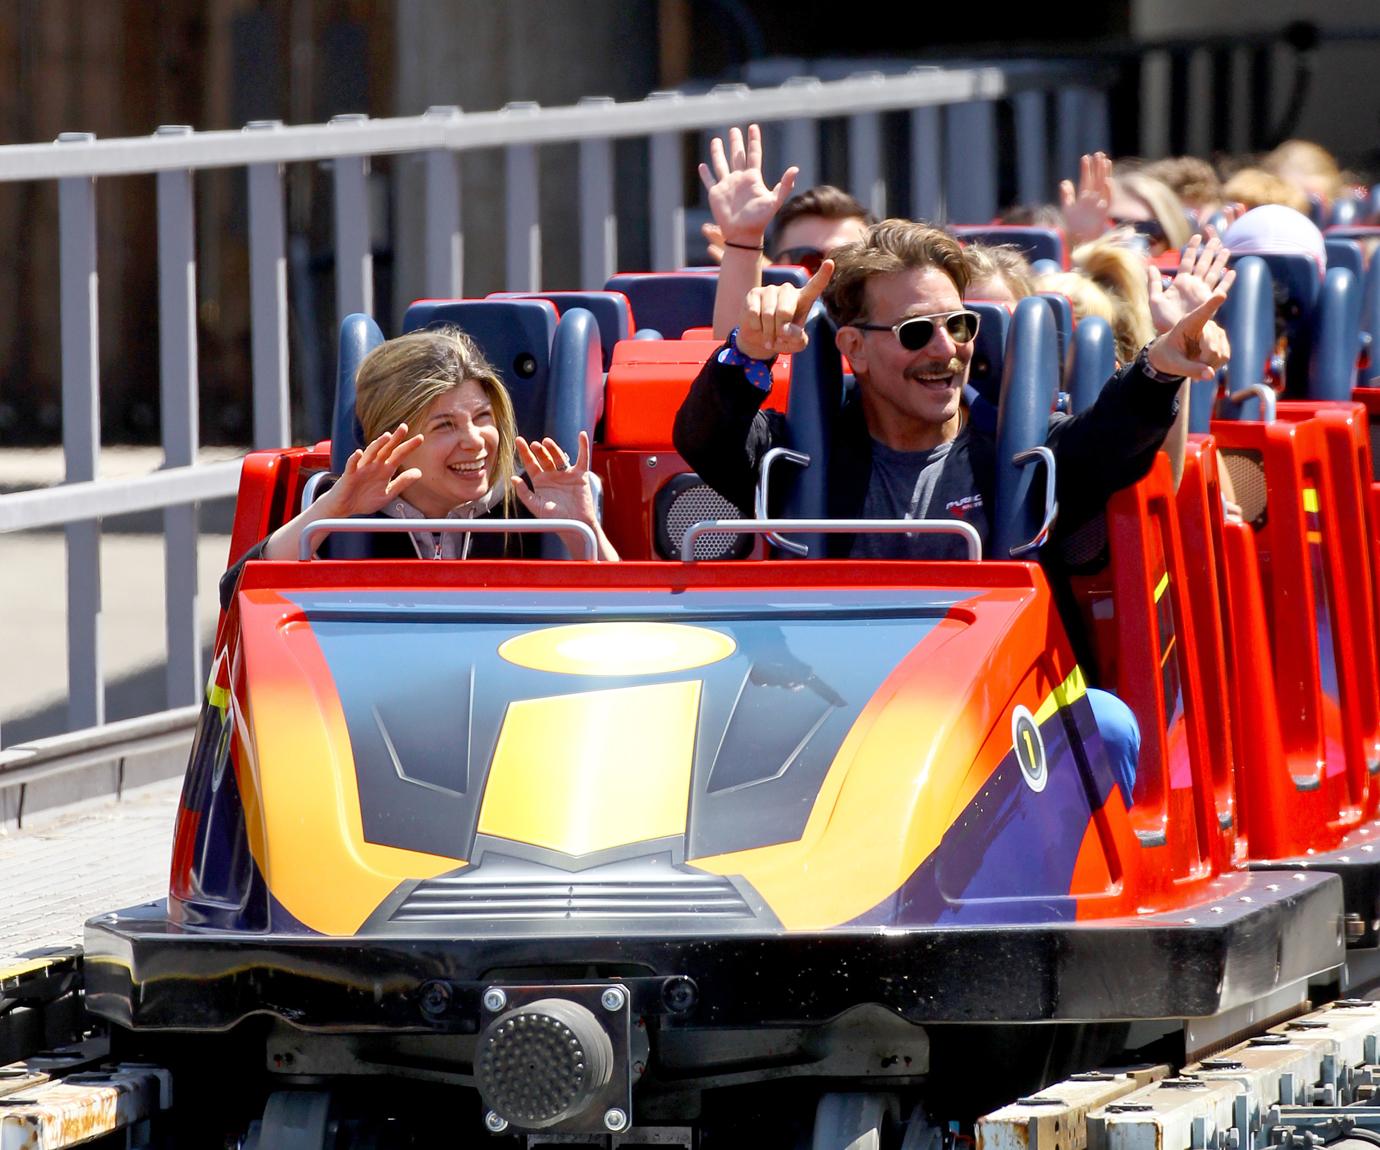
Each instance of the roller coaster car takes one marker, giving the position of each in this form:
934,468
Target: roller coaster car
578,848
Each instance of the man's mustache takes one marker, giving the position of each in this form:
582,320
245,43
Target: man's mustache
952,367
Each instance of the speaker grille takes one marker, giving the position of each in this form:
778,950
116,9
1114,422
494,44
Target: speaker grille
686,500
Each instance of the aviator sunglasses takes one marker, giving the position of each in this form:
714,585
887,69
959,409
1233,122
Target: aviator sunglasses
916,331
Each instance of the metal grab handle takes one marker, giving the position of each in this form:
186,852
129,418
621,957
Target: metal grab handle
1046,456
307,549
761,505
312,487
831,527
1261,391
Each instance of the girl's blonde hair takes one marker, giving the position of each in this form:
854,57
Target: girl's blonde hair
402,377
1120,273
1085,295
1003,262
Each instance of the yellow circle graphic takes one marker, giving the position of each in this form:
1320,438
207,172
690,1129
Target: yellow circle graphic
617,648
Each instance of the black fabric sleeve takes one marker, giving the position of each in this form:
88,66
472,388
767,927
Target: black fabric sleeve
721,431
231,577
1111,445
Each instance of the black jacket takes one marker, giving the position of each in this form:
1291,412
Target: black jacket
722,433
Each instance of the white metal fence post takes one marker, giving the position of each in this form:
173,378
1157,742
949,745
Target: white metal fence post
445,243
81,436
268,332
177,353
354,257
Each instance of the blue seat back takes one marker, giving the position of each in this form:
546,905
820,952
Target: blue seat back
1297,280
669,302
514,335
1062,307
1091,362
785,274
1336,337
1033,243
359,335
1344,252
1030,379
811,413
1370,321
611,311
989,349
1248,317
575,397
1347,209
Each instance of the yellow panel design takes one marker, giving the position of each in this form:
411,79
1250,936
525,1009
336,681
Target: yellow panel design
301,797
1065,694
1310,500
618,648
1162,586
585,772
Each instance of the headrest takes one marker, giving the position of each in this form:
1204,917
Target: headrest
1273,228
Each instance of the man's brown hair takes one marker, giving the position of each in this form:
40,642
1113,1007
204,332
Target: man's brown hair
890,246
823,200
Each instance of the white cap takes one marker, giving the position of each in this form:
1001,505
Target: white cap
1273,228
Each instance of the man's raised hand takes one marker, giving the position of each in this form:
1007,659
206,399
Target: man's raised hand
742,204
1202,271
1195,347
772,321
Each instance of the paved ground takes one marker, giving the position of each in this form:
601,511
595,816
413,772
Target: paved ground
63,871
33,603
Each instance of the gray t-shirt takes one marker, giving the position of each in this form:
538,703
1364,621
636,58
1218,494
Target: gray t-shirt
918,485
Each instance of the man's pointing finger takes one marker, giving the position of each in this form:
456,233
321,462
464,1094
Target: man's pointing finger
812,290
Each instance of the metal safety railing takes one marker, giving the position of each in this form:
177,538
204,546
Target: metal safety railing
1058,109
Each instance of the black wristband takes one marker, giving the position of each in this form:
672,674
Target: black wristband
744,247
1143,362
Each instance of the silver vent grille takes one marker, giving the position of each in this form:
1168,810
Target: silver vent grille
694,505
464,898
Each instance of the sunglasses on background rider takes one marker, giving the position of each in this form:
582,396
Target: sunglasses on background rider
806,257
917,330
1152,229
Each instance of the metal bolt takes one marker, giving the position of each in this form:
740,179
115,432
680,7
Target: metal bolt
615,1119
434,998
1355,926
495,1122
495,1000
651,461
613,998
679,993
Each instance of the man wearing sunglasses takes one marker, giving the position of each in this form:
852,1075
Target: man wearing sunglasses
903,446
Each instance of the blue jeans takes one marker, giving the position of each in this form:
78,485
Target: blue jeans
1120,732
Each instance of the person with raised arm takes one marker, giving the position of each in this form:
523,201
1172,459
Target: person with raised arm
902,447
808,226
442,443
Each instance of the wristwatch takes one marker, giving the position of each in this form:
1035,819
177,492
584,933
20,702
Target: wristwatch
1143,362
